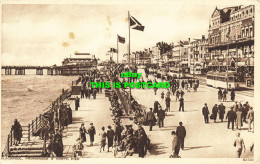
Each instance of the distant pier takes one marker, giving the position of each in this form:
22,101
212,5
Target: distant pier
68,70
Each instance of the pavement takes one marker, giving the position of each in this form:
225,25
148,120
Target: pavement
211,140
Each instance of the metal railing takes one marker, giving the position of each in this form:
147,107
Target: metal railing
32,128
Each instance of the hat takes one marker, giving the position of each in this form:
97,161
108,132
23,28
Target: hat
173,132
205,104
180,123
91,123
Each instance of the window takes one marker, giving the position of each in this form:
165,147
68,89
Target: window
251,10
243,33
251,32
246,12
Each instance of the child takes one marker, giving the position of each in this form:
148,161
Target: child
78,148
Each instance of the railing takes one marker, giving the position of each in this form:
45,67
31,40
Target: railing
76,82
35,125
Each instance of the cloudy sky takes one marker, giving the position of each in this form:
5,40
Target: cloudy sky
45,34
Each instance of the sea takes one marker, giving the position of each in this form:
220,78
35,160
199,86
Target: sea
24,97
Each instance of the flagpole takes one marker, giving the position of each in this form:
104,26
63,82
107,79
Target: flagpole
117,49
129,80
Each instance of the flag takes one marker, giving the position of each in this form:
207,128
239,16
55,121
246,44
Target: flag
135,24
113,50
121,39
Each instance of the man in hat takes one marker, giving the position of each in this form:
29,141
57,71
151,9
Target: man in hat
181,134
161,116
92,132
150,117
205,113
231,116
181,104
175,145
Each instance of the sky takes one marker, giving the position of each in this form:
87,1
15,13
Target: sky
45,34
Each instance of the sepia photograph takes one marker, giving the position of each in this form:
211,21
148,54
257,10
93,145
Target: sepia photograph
128,79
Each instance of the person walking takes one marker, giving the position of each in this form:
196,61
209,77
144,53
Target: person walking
181,134
91,132
232,95
215,112
250,117
181,104
224,95
219,95
110,137
221,111
239,144
77,101
177,95
82,92
239,122
161,116
175,146
231,116
82,133
156,105
141,141
205,113
150,118
168,104
103,136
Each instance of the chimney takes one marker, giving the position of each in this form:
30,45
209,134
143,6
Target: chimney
203,37
189,40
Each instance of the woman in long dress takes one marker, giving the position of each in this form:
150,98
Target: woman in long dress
103,136
82,133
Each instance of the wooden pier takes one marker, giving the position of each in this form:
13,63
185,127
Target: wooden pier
69,70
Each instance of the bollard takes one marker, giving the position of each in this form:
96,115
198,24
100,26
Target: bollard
28,132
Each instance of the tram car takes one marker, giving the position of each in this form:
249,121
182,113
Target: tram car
222,79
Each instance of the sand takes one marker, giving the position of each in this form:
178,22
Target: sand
25,97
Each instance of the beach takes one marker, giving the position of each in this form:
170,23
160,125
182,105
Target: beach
25,97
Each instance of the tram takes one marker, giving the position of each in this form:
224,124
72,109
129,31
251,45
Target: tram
222,79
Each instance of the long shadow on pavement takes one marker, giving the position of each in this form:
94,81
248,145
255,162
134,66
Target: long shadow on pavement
195,147
157,149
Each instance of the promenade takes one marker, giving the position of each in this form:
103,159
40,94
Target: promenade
202,140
